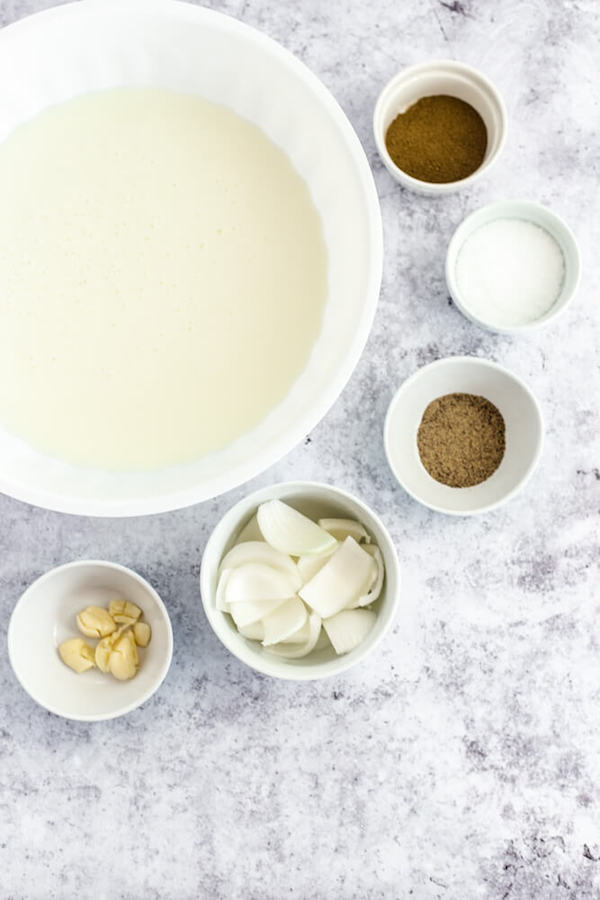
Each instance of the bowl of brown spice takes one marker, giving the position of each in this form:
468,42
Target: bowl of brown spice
463,435
439,126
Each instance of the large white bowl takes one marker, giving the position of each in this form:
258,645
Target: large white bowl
92,45
44,617
317,501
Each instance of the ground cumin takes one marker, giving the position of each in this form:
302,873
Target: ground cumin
438,139
461,439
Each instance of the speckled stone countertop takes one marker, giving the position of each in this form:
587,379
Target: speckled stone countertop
463,760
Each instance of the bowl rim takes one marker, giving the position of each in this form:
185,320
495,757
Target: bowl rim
83,563
385,96
484,363
272,666
515,208
318,409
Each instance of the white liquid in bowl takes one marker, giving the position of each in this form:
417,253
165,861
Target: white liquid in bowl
163,276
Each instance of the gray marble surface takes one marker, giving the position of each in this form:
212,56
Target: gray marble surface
462,761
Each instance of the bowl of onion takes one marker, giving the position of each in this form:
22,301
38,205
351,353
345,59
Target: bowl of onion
300,580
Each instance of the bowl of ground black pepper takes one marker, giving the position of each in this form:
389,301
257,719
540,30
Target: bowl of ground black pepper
463,435
439,126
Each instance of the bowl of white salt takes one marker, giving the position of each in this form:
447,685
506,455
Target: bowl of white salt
512,266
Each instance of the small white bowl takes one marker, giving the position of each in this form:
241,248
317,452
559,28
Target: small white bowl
44,617
317,501
440,76
469,375
531,212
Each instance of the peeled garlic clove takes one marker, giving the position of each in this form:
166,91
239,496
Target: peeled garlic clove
105,646
284,621
248,613
348,628
123,660
134,651
76,654
344,578
308,566
124,612
125,620
254,632
142,634
95,622
257,581
291,532
297,651
342,528
261,552
103,651
250,532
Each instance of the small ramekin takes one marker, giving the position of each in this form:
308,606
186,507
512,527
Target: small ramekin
315,500
469,375
531,212
440,76
44,617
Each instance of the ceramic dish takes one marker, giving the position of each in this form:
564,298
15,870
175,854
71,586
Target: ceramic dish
470,375
71,49
441,76
316,501
530,212
44,617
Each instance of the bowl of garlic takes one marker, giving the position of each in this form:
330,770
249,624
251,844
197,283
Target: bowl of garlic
90,640
300,580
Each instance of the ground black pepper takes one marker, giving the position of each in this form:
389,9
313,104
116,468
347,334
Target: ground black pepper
461,439
438,139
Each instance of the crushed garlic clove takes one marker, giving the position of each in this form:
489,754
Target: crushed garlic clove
123,660
142,633
124,612
76,654
95,622
103,651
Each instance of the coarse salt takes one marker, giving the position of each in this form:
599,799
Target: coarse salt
509,272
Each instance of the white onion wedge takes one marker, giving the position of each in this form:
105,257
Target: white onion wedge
300,636
348,628
291,651
340,529
254,632
308,566
345,577
284,621
248,613
291,532
220,601
261,552
375,589
250,532
323,640
256,581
